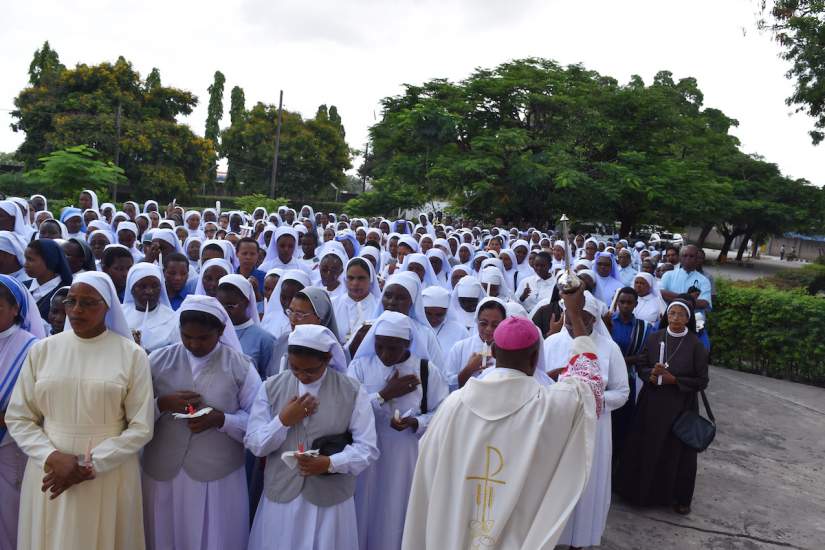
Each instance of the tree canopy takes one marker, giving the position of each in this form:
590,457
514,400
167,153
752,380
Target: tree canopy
64,108
313,153
799,28
531,139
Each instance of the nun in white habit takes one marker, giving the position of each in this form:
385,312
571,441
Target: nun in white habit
651,306
146,307
404,391
589,518
357,305
448,330
402,290
194,479
298,508
470,290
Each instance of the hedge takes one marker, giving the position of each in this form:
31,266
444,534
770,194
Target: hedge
767,331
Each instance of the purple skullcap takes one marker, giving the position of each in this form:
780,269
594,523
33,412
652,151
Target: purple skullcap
515,333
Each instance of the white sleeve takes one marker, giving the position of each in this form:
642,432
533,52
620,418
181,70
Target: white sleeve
234,425
618,388
264,434
363,450
453,366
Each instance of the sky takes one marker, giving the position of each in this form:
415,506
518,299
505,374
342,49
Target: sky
351,54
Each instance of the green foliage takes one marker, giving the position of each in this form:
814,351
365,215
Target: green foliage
161,158
768,331
215,109
249,203
313,154
45,65
67,172
799,28
808,278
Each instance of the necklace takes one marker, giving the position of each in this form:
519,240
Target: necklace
669,356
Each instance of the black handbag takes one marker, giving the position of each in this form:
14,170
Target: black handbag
329,445
694,430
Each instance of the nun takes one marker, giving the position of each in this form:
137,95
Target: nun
589,518
607,280
651,306
471,355
464,301
356,306
236,295
81,410
47,266
281,251
330,270
310,420
447,329
404,390
147,309
12,256
20,327
194,478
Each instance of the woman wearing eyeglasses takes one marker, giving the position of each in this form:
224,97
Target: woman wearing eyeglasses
81,411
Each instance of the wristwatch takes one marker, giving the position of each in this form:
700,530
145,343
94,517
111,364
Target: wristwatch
380,399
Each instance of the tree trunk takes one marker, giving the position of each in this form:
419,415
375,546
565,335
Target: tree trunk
744,246
704,235
723,254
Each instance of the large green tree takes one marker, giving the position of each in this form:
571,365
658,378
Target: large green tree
313,153
799,27
160,157
530,139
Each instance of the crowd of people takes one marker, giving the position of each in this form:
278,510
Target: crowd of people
206,379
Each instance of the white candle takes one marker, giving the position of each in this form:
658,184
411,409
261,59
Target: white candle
661,360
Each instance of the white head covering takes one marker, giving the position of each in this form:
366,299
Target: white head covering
436,296
275,320
139,271
92,194
212,306
412,284
115,321
12,244
430,278
319,337
167,235
595,308
467,287
220,262
272,259
397,325
443,277
20,226
322,304
375,254
30,319
653,301
240,282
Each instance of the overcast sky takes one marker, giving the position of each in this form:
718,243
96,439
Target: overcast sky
353,53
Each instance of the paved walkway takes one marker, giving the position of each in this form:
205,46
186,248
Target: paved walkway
762,267
761,485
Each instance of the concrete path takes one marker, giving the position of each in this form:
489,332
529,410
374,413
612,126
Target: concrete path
761,485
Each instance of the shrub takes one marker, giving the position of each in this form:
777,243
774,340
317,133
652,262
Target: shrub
772,332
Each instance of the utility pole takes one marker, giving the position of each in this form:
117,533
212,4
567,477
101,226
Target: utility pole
117,146
366,155
277,146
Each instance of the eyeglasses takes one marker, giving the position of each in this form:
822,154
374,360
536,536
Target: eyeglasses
71,303
298,315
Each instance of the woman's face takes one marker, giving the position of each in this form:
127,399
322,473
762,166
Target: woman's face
35,266
286,248
8,310
98,244
85,201
507,261
270,282
73,224
300,312
126,238
436,263
210,280
306,368
74,255
604,266
403,250
488,321
468,304
358,282
558,253
677,319
464,254
288,291
57,313
396,298
199,339
418,269
194,221
590,250
329,234
391,350
456,276
330,270
426,243
50,230
89,216
193,251
86,310
348,248
641,287
146,291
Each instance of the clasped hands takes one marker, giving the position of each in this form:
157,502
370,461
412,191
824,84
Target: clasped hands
661,370
179,402
62,471
294,412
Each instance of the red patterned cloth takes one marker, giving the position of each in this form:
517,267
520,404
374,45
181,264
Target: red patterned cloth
585,366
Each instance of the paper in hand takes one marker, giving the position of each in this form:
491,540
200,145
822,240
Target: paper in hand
196,414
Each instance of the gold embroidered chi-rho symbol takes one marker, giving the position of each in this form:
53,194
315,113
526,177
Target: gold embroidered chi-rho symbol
483,522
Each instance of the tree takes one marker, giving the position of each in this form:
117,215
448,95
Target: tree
160,157
530,139
799,28
215,109
67,172
45,65
313,154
